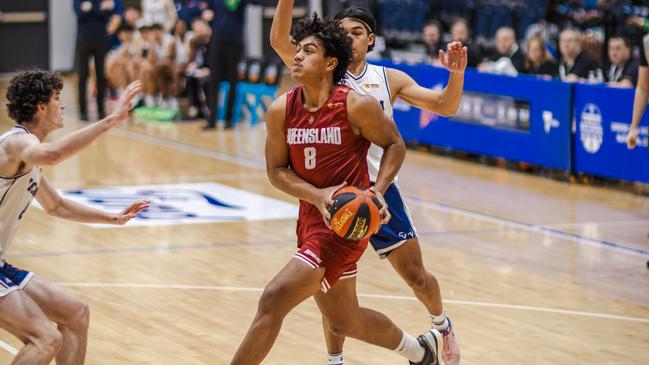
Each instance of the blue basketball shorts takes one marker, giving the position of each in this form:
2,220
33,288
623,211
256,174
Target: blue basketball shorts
400,227
12,278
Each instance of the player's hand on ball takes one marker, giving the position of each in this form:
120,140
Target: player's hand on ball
124,105
385,214
456,57
632,138
131,211
325,201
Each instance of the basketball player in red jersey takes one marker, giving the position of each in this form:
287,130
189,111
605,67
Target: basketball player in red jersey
318,138
397,241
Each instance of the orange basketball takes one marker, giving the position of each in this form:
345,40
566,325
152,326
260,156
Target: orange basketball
355,213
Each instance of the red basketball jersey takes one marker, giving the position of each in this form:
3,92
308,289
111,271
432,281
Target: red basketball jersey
324,150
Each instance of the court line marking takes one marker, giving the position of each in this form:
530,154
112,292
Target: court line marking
248,162
600,224
440,206
204,246
7,347
74,184
364,295
12,350
532,228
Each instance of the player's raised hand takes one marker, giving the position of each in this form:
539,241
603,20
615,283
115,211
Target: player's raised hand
455,58
632,138
385,213
325,201
124,105
131,212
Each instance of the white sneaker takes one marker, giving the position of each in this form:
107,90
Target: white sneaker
432,343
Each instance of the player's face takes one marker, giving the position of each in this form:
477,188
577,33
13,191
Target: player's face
361,39
54,111
310,62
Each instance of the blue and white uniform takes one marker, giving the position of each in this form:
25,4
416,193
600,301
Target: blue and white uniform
16,194
373,81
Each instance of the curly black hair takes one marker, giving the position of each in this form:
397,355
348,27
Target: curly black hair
332,36
361,14
27,90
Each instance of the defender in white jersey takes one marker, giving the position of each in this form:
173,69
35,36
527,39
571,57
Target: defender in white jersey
397,240
29,303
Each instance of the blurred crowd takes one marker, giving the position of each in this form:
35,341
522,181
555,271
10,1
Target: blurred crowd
596,41
181,50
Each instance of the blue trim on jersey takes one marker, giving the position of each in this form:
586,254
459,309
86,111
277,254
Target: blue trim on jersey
11,276
362,73
22,127
399,229
387,84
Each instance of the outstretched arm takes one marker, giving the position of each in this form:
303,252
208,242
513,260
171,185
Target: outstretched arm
33,152
639,105
444,103
57,206
280,32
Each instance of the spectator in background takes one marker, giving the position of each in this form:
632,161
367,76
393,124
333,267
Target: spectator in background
157,69
123,64
159,12
226,49
432,37
575,64
538,60
198,73
189,10
182,40
132,15
460,33
97,20
508,58
623,68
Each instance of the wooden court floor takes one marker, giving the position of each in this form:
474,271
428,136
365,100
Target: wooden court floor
533,271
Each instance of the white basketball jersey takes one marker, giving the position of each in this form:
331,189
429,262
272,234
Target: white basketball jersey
16,194
373,81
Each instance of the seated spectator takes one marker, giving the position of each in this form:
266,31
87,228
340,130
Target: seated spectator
161,12
182,39
123,63
623,68
537,59
133,15
157,70
460,33
197,73
575,64
508,58
432,37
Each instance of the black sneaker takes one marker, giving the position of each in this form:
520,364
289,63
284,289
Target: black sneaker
432,343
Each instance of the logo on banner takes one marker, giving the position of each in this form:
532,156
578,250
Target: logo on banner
549,122
184,203
591,132
426,117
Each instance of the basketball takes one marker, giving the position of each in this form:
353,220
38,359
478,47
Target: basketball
355,213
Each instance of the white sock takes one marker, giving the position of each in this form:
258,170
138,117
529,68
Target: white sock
440,322
410,348
335,359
